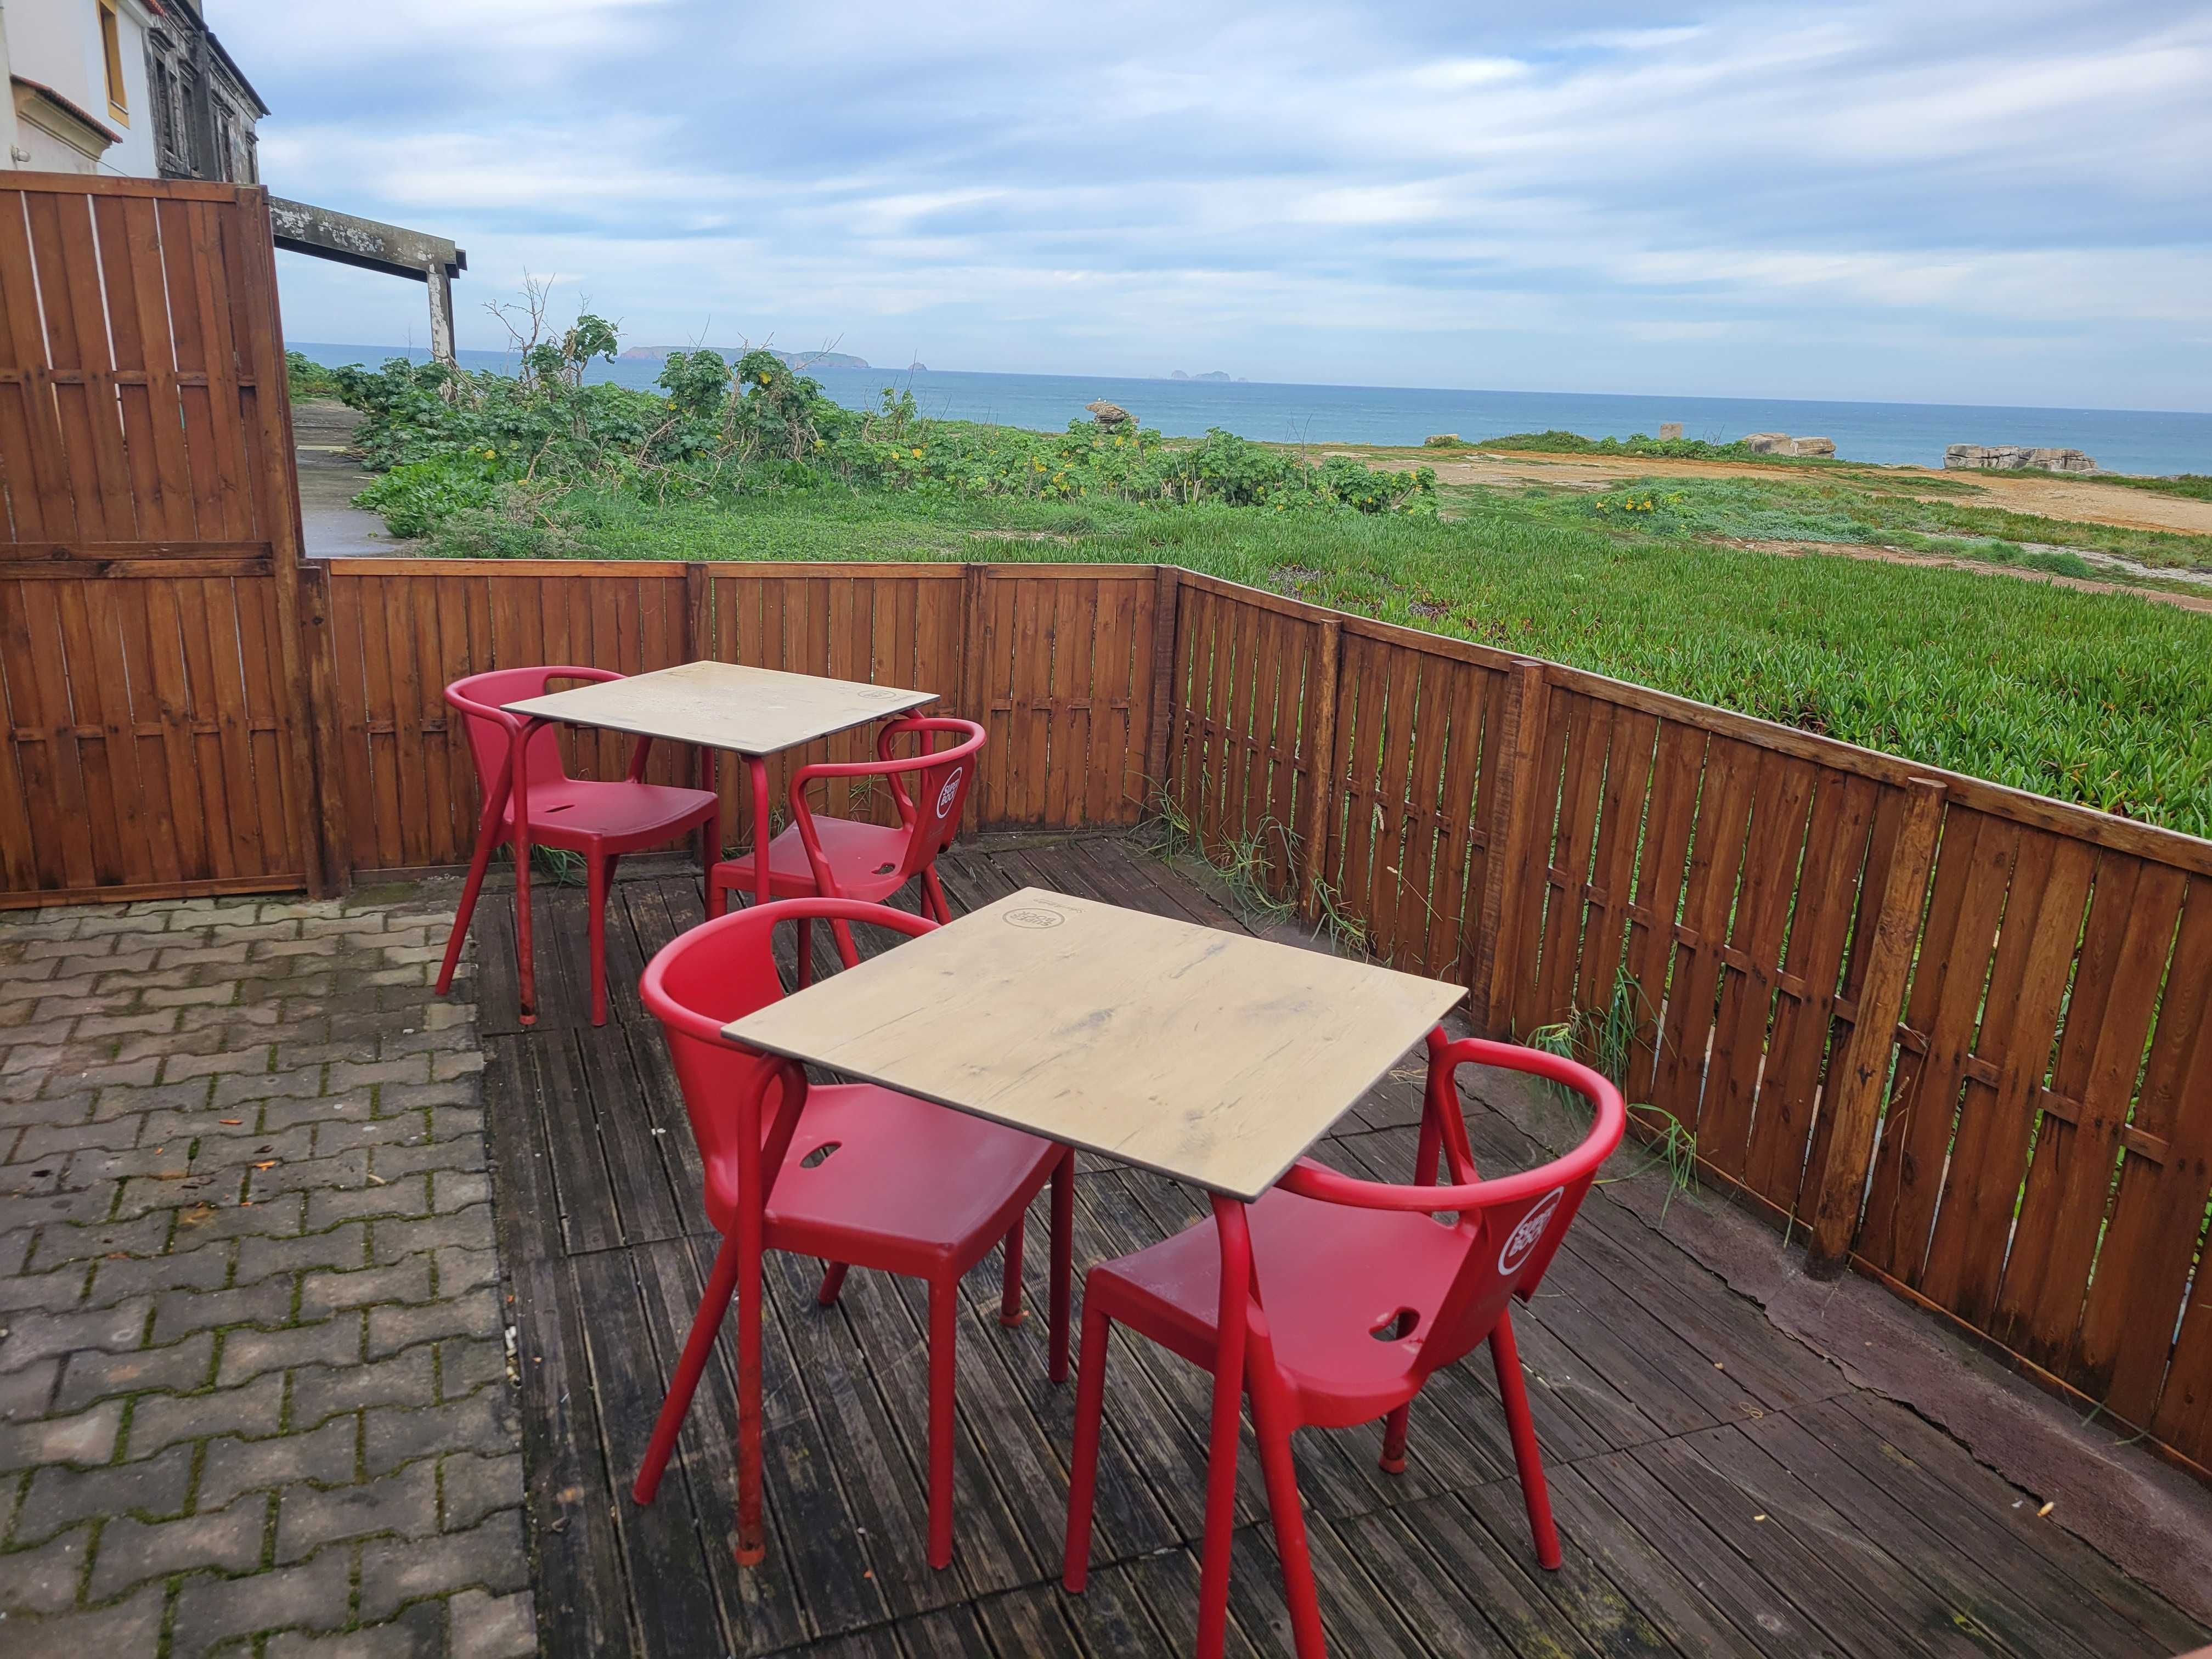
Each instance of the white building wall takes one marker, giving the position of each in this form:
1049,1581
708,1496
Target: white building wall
58,44
135,157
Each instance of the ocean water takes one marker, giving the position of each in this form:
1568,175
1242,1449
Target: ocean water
2120,440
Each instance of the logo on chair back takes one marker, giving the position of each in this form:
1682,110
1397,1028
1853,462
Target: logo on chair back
1529,1234
952,788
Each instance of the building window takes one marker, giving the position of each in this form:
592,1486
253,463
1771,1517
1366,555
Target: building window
110,48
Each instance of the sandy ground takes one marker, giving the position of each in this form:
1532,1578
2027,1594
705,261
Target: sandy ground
2051,495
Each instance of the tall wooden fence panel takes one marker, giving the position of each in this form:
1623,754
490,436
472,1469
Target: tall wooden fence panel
154,676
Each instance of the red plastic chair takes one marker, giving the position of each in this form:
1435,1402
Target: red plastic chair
845,858
530,799
856,1174
1366,1295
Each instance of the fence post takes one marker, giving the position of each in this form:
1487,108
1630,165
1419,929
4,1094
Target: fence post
1517,805
1321,771
330,868
698,611
277,496
974,684
1861,1077
1167,620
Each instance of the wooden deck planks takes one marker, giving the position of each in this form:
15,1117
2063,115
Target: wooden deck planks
1671,1414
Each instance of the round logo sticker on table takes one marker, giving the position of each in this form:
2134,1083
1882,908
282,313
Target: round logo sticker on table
952,787
1033,918
1526,1236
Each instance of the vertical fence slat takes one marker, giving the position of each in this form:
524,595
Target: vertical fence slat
1516,821
1860,1082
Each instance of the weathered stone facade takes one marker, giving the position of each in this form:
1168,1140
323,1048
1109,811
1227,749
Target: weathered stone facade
205,109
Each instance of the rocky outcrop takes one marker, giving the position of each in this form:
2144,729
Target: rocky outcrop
1110,416
1780,443
2015,457
1671,432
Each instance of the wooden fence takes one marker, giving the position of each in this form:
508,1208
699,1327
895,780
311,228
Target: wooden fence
1960,1035
1055,661
150,561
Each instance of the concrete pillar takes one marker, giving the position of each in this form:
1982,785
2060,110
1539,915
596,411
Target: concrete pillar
441,317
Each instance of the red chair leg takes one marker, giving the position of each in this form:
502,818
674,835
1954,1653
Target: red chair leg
1083,1469
1009,1274
1394,1428
944,1332
710,836
598,868
1063,1261
751,1547
713,1306
1505,1354
479,862
933,893
1222,1445
1271,1424
833,1280
1394,1441
525,964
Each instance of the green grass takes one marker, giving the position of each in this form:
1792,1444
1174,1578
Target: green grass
1836,508
2096,698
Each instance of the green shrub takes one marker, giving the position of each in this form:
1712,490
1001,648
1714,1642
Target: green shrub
1573,443
458,443
308,379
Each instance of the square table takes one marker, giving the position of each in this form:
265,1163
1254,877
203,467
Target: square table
752,712
1212,1057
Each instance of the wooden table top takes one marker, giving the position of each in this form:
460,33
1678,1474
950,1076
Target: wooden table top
726,705
1212,1057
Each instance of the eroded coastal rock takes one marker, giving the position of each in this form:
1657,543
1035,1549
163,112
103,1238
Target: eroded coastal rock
2015,457
1110,416
1780,443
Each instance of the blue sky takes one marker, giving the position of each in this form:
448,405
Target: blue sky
1946,203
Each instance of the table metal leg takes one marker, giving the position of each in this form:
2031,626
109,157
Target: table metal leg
761,835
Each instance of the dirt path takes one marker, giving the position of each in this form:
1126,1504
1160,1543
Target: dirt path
2202,605
329,478
2046,495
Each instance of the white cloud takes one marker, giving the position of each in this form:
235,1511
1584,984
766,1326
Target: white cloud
1723,194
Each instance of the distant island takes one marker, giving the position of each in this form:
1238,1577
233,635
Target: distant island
795,359
1209,375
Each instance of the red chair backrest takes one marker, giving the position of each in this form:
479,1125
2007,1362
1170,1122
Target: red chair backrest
479,700
1513,1225
720,971
933,811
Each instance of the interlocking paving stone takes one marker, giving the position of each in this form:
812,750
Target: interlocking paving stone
254,1391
